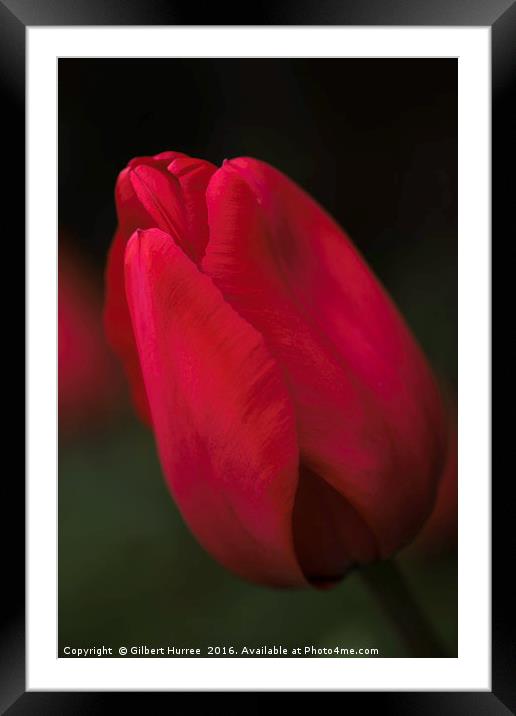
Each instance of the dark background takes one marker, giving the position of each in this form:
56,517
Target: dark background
375,142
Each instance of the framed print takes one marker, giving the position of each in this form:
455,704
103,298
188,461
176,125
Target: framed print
258,367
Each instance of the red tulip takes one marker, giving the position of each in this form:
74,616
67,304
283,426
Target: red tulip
299,427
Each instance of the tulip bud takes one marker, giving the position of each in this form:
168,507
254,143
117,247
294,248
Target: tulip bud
299,426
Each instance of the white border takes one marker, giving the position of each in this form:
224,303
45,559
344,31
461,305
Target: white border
471,671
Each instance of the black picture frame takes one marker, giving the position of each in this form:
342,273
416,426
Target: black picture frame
15,17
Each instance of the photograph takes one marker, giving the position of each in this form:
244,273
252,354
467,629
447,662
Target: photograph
257,357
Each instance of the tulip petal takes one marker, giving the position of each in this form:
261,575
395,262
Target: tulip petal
223,421
149,194
118,327
193,176
369,413
168,196
161,160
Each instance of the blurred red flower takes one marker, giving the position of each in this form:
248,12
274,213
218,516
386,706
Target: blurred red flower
299,426
440,531
88,379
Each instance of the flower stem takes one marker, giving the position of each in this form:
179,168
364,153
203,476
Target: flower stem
386,582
